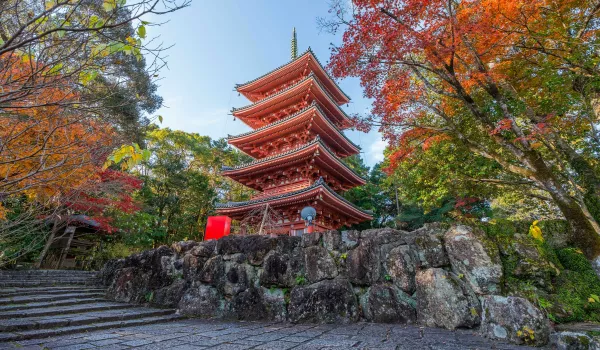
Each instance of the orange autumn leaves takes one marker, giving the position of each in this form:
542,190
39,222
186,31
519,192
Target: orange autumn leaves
426,61
48,143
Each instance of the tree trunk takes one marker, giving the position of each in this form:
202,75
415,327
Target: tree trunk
584,233
585,230
40,258
63,254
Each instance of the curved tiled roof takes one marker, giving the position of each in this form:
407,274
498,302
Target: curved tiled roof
292,116
317,140
319,182
308,77
309,51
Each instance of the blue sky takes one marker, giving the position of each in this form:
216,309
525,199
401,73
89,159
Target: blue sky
221,43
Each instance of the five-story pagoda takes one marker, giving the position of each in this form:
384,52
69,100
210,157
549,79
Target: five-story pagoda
297,143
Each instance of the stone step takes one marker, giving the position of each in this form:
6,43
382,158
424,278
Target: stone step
46,278
44,333
47,272
90,319
65,302
64,309
7,292
15,283
47,297
32,275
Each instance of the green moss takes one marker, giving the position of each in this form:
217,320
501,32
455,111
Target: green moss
573,259
572,292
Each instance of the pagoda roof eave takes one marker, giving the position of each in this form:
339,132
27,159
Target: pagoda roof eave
245,87
237,112
238,139
302,194
236,170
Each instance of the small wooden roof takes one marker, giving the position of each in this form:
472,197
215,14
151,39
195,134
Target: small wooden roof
255,89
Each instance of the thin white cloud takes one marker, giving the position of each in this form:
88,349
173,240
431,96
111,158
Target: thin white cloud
376,150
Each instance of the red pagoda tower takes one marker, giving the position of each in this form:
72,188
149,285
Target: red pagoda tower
297,143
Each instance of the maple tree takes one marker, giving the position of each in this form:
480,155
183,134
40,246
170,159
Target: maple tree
515,83
74,86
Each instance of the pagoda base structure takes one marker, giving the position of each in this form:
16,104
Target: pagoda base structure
333,211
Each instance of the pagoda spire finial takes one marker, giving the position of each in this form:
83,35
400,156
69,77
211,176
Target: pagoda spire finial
294,44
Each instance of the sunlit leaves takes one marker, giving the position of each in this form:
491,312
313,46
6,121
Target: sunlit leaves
109,5
127,156
49,4
56,69
142,31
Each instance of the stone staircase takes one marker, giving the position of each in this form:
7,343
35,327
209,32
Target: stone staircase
43,303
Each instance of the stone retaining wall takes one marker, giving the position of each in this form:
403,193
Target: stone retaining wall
431,276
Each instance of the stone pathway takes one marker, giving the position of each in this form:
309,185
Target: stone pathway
216,335
42,303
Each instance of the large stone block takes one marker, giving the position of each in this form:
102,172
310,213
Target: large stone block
476,257
318,264
514,319
529,261
238,277
567,340
281,269
363,263
202,301
275,301
213,271
388,304
310,239
256,247
350,239
328,301
444,300
130,285
430,250
168,296
332,240
182,247
401,267
249,305
384,235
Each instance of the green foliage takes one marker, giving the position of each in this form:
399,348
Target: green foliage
573,259
110,249
565,296
573,291
181,185
380,195
300,280
414,216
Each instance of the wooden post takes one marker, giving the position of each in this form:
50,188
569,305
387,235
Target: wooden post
264,218
49,242
71,231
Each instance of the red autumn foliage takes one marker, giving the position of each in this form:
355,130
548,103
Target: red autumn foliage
110,190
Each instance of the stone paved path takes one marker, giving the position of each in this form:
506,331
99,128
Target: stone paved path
207,334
